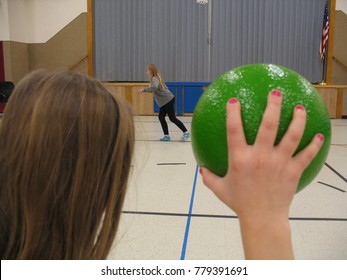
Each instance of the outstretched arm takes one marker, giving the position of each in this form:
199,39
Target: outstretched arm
262,178
153,87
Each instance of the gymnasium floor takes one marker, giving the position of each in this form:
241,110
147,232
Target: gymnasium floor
170,215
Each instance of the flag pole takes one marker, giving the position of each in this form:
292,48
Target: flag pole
324,46
323,82
329,57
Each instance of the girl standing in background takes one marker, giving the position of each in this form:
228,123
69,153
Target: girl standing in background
166,101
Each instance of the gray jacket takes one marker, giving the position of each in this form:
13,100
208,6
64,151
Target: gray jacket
161,95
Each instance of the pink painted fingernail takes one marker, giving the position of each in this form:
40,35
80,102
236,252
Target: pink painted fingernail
320,136
200,170
232,100
300,107
276,93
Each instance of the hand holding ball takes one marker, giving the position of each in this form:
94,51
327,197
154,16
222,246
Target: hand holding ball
250,85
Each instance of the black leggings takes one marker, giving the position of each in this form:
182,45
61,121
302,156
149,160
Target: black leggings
168,109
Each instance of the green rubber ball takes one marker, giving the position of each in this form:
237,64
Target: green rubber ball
251,84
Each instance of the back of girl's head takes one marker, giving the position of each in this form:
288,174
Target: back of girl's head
153,69
155,73
66,149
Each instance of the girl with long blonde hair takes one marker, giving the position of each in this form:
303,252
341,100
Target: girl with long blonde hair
166,102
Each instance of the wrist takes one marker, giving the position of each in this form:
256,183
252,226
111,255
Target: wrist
272,223
267,237
263,218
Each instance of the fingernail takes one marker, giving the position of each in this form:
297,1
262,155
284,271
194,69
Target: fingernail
200,170
320,136
300,107
232,100
276,93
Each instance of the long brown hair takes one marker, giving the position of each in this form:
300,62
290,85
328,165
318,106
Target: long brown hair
155,73
66,148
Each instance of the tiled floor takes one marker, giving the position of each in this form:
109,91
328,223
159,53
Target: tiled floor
170,214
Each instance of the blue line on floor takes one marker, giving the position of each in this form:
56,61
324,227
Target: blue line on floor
185,241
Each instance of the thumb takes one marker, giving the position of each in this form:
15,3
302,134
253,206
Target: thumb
216,185
211,180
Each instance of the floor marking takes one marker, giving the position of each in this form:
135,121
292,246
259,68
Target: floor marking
155,213
187,121
325,184
149,140
337,173
171,163
185,240
319,219
225,216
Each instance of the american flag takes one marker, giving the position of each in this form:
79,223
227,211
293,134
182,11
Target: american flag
325,33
